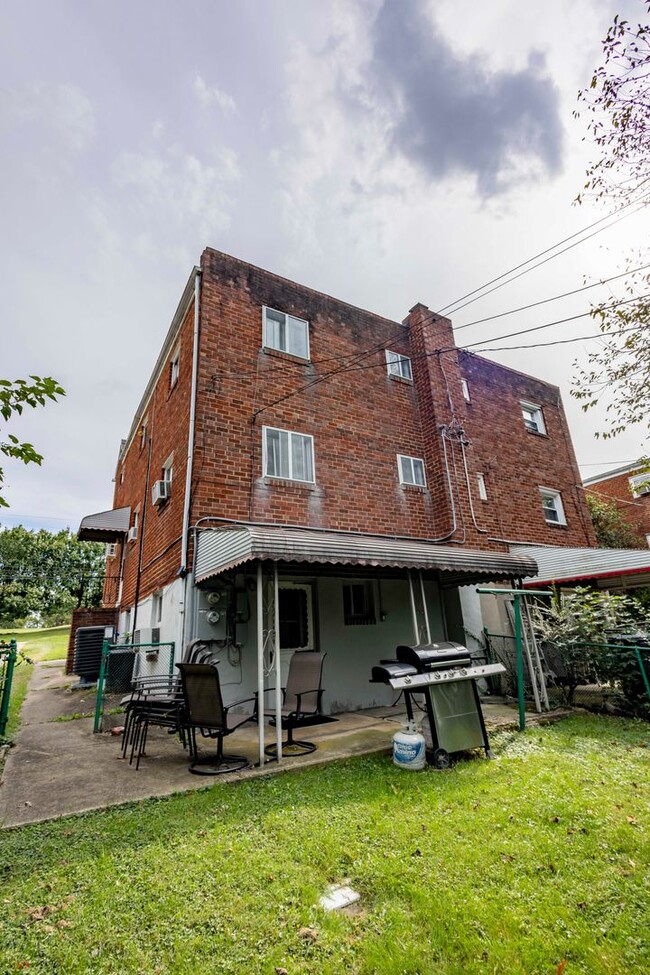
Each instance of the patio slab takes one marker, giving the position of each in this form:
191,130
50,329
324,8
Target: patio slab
59,767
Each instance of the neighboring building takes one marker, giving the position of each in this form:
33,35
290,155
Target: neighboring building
629,488
376,467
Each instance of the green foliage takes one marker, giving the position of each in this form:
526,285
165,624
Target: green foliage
618,107
567,628
14,397
45,575
611,527
535,863
617,103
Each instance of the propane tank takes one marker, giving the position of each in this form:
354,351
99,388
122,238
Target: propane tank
408,747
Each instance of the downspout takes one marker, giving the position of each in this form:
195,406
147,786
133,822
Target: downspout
182,572
143,520
260,663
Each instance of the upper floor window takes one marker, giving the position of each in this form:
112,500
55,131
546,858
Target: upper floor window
639,484
411,470
174,368
143,432
285,333
289,455
398,365
552,506
156,608
111,549
482,489
464,385
533,418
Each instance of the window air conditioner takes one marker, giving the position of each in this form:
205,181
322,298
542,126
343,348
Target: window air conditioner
160,492
132,534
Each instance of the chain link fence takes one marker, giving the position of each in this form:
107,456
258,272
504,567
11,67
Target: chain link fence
123,666
611,677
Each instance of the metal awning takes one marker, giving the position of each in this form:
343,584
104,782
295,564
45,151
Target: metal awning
222,549
608,568
105,526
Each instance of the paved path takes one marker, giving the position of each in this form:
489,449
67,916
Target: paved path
59,767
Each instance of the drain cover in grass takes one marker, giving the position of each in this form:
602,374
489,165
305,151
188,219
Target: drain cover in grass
338,896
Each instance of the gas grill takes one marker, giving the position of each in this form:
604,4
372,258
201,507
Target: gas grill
445,676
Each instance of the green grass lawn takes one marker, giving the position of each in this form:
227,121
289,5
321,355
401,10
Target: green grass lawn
50,644
536,863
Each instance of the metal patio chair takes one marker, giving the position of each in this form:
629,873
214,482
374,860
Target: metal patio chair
301,702
205,712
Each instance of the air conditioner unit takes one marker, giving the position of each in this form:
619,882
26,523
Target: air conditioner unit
132,534
147,635
160,492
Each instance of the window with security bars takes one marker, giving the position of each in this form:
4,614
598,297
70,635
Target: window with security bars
358,604
411,470
289,455
398,365
285,333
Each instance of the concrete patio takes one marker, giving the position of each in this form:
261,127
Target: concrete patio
59,767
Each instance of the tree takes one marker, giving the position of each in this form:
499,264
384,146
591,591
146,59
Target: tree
46,575
611,527
14,397
618,107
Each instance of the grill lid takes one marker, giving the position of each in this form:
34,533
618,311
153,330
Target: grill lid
431,656
389,670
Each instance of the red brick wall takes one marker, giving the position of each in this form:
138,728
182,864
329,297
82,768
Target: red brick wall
636,511
87,617
360,419
516,462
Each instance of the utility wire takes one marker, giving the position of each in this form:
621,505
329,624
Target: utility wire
456,305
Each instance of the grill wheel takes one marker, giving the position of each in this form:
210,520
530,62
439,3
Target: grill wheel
441,758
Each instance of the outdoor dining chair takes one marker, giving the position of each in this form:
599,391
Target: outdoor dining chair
205,712
301,702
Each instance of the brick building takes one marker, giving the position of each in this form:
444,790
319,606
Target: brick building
629,488
357,474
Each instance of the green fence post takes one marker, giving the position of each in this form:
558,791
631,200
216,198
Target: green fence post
520,663
644,673
6,687
99,702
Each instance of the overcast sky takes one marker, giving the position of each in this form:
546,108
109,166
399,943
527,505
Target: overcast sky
382,151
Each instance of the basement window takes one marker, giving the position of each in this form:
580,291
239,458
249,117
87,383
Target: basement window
289,455
285,333
411,470
399,365
552,506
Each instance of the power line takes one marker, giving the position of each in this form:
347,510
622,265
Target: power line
455,306
540,345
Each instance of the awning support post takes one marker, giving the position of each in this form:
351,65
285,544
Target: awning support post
424,607
414,614
278,662
260,664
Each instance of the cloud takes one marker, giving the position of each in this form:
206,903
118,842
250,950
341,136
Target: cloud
48,114
208,95
453,115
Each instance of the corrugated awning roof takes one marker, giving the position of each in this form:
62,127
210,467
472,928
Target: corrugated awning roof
575,565
221,549
105,526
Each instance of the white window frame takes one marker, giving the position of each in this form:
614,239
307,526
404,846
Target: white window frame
482,487
156,608
536,423
289,321
399,365
647,538
639,485
556,497
405,469
111,548
464,385
143,432
290,434
174,368
168,471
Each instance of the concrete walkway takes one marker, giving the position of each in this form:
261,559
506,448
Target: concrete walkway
59,767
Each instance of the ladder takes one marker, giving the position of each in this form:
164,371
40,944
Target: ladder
534,657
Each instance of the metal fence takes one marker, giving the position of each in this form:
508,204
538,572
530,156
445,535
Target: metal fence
122,665
606,677
8,655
